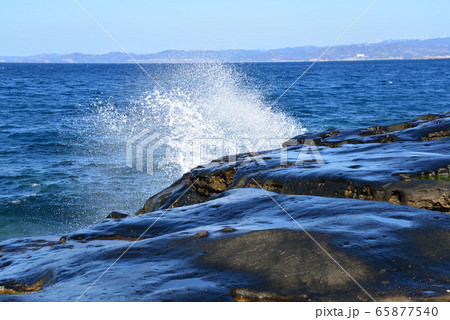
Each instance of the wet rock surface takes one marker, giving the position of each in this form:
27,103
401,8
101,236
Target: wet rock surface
424,128
117,215
394,252
405,164
371,223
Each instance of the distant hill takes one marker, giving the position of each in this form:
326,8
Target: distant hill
392,49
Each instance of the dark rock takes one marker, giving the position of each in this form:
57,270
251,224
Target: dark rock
201,234
27,286
285,259
425,194
384,163
394,252
228,230
349,248
116,215
424,128
204,184
251,295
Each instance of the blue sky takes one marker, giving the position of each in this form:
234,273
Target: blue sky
58,26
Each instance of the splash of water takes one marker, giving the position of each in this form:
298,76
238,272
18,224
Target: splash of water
208,105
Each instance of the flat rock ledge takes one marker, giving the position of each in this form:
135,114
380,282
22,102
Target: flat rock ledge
396,253
405,164
275,226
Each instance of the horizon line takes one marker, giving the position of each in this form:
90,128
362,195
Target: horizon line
224,50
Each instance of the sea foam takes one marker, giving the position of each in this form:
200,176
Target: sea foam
204,111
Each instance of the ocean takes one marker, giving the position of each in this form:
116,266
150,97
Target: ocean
64,127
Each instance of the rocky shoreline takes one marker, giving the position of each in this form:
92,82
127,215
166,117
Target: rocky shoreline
340,215
405,163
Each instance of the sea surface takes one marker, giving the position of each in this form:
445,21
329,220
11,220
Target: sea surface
64,127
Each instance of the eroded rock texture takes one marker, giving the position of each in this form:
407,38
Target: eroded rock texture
394,252
277,226
406,164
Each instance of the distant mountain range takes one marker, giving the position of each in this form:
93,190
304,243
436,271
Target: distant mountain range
438,48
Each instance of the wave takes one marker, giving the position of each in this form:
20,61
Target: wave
208,107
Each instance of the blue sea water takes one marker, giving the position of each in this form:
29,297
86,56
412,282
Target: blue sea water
64,127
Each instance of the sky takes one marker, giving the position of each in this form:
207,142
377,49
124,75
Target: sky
29,27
